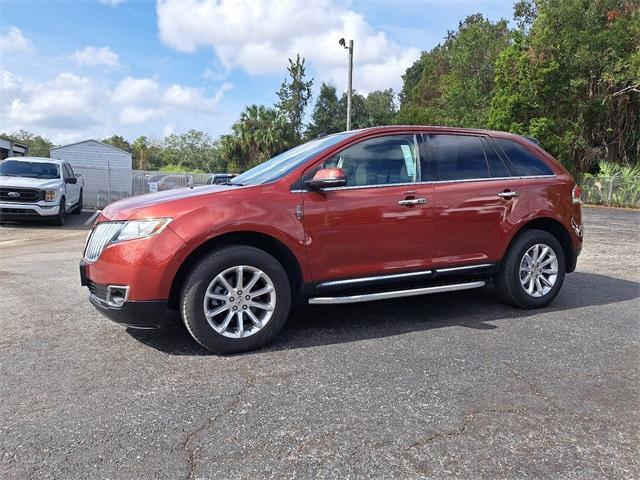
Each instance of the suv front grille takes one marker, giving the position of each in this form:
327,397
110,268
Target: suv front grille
21,195
99,238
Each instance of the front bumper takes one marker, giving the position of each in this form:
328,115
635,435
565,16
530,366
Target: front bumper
144,314
27,210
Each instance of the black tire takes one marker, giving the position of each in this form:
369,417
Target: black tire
58,220
508,281
78,208
205,271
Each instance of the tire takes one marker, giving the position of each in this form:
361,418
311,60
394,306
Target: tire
512,281
78,208
58,220
205,277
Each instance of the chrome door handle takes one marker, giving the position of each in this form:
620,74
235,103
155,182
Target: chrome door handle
509,194
413,201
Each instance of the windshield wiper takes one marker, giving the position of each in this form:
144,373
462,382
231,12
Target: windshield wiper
237,184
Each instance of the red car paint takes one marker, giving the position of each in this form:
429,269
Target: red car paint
341,233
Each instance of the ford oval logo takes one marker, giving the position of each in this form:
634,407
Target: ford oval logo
14,194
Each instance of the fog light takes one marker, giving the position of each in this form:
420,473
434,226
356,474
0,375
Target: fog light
117,295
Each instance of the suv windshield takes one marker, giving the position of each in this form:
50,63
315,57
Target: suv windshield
287,161
15,168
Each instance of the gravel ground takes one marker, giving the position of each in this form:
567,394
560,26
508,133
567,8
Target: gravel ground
444,386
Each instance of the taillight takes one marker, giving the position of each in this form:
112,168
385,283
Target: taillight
576,193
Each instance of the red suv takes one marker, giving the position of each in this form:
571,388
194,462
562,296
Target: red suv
364,215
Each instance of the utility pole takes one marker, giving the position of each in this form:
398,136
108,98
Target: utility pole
350,81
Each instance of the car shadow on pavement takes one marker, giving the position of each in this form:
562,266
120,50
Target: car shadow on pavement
71,222
480,309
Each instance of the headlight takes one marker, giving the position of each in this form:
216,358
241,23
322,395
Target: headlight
141,229
109,232
50,195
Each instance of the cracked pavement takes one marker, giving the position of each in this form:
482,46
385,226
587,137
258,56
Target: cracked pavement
454,385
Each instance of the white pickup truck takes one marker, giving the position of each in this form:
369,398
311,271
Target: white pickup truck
33,188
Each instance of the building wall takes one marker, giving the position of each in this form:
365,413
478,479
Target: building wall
106,171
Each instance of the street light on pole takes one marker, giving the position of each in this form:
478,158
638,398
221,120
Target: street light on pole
350,82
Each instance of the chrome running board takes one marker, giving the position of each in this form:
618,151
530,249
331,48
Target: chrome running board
369,297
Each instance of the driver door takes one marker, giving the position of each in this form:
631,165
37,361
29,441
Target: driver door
380,223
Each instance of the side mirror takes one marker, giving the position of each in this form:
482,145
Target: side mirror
327,178
71,180
78,175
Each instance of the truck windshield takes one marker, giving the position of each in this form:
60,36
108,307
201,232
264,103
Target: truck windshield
282,164
15,168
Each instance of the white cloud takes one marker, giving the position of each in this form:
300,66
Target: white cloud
95,56
259,36
14,42
72,107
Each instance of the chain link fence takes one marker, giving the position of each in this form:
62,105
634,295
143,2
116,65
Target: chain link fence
611,191
103,185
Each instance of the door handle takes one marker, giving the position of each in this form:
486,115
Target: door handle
412,201
509,194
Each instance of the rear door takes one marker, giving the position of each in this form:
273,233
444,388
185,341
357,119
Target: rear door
381,222
477,200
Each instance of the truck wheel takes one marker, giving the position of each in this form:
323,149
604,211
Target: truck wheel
235,299
532,271
58,220
78,208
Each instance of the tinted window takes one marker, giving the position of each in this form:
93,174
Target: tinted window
496,165
457,157
524,161
378,161
70,170
66,170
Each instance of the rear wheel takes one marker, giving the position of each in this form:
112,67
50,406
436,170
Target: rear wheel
532,271
235,299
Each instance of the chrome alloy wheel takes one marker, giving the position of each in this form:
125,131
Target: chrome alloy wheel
538,270
239,302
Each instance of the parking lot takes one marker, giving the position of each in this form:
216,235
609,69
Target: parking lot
455,385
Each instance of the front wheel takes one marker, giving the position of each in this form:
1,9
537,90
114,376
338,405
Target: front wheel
58,220
532,271
235,299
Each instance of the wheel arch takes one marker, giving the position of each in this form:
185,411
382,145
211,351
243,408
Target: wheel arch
554,227
262,241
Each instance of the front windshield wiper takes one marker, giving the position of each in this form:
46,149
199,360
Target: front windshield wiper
237,184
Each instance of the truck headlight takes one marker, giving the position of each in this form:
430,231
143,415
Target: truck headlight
50,195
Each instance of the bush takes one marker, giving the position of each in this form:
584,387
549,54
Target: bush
614,186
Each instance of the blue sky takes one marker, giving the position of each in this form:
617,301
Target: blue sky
90,69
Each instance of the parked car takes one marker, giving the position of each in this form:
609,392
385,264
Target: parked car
219,178
373,214
38,188
169,182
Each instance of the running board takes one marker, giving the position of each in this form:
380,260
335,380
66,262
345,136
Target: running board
368,297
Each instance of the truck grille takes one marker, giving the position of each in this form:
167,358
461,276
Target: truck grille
21,195
99,238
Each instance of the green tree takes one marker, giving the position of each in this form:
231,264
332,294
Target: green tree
147,154
259,134
118,141
326,118
193,150
380,107
38,146
456,79
572,79
294,95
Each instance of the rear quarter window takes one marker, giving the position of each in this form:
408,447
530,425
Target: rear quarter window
525,162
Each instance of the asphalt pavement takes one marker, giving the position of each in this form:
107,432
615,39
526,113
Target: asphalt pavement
454,385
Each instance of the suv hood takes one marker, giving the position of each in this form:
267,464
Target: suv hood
25,182
170,203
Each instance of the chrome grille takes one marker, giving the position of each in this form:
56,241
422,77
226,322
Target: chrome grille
99,238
